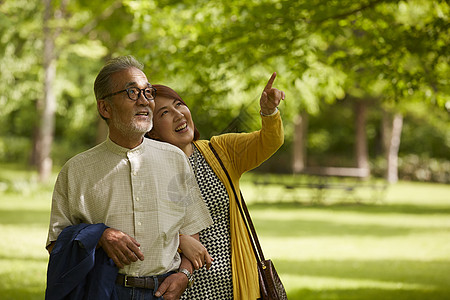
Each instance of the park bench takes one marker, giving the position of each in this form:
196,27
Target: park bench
321,185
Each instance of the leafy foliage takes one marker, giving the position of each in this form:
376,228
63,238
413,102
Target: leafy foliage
219,54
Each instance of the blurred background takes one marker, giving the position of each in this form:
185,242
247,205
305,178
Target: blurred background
367,93
366,81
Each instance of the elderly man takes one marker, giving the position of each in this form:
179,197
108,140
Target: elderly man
142,192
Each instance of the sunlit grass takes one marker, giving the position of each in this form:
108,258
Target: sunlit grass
397,248
24,216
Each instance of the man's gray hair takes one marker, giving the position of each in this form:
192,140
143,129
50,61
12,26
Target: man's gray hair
103,84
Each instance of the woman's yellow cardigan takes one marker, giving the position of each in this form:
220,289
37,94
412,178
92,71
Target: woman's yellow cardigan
239,153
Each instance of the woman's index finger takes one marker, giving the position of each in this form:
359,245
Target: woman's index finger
270,82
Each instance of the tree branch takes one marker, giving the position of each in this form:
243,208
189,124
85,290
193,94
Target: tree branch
349,13
104,15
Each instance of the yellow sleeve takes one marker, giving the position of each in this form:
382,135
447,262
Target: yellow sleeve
246,151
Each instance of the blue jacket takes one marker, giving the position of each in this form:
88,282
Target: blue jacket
76,270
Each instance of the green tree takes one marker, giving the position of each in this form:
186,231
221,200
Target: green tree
372,51
21,76
219,54
396,52
52,40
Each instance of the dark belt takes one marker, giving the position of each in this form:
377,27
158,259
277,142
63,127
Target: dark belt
138,282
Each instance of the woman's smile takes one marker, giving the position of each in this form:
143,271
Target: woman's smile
182,128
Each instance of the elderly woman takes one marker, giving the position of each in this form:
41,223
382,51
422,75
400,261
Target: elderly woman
233,274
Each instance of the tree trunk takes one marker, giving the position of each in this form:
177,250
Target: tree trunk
300,142
361,151
392,130
36,141
46,109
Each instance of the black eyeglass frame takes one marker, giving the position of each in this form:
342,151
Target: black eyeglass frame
153,93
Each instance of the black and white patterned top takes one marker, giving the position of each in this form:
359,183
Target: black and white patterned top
215,283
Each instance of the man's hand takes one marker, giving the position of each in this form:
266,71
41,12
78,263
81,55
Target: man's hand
120,247
195,251
172,287
50,247
271,97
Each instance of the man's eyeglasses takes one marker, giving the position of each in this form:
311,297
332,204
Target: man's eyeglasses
134,93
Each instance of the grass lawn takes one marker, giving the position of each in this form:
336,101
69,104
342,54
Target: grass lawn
398,248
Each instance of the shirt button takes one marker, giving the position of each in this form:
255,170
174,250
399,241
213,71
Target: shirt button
139,223
134,173
138,199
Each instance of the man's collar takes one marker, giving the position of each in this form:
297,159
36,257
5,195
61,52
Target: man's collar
123,151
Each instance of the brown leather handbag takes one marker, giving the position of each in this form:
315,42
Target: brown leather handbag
271,287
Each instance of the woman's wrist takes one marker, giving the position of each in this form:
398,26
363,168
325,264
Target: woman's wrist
268,114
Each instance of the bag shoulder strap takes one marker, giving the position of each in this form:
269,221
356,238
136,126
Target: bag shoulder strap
243,211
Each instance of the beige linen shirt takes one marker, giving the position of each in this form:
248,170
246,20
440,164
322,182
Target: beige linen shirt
148,192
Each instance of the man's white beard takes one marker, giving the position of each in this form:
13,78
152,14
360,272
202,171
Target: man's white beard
133,127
